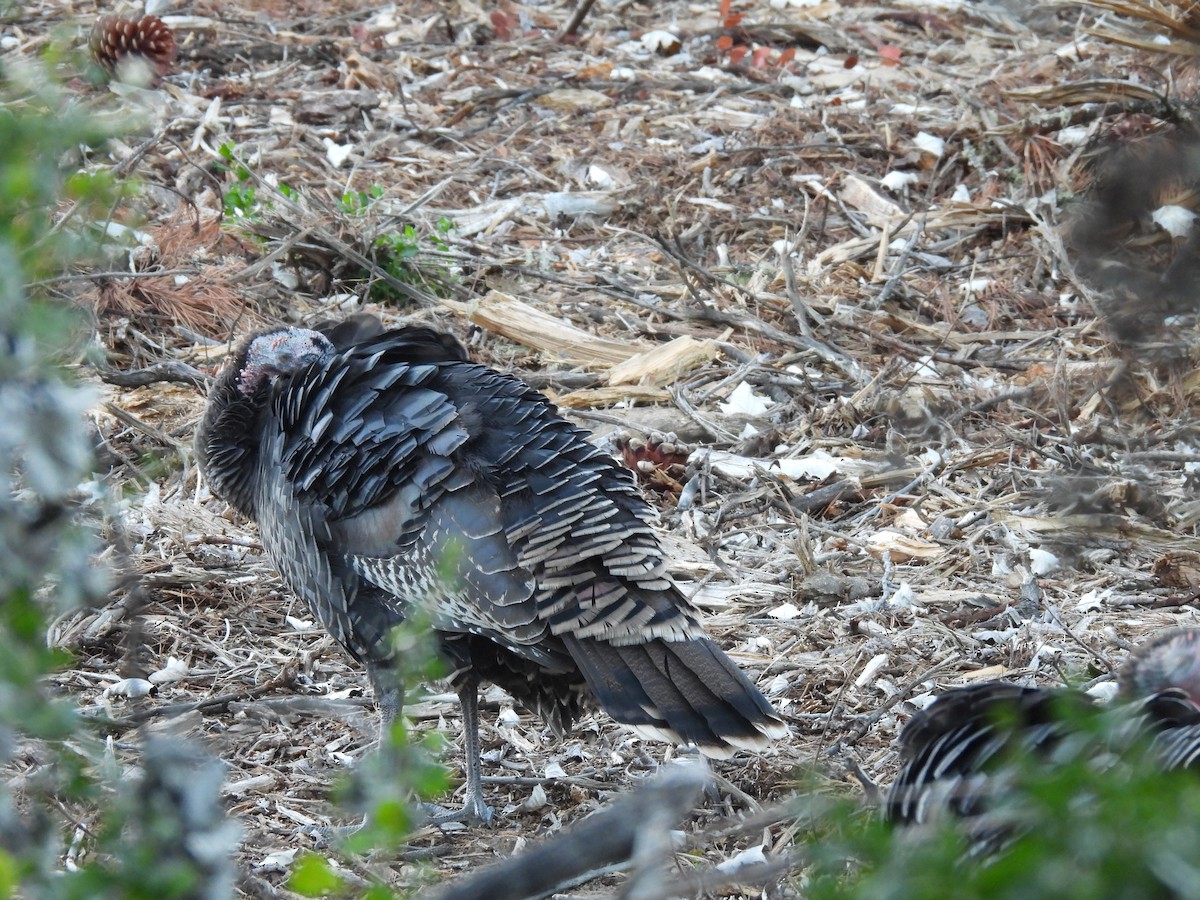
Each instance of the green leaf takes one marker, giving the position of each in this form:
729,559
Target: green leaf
313,876
10,875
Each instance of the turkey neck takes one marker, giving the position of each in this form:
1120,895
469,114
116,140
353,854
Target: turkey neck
228,439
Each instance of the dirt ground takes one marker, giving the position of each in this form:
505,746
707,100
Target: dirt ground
891,274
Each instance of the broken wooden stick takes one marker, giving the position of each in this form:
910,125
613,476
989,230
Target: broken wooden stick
609,836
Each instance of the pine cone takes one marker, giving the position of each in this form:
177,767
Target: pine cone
115,40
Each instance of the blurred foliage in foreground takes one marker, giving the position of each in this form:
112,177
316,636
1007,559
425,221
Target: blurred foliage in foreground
76,823
1097,820
79,822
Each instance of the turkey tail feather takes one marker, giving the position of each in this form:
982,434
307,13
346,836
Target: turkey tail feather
684,691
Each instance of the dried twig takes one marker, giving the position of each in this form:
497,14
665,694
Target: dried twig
864,723
282,680
144,427
577,17
170,371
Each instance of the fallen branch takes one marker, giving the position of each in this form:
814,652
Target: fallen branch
608,836
712,881
286,678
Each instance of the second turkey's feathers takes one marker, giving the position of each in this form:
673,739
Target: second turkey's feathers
391,472
958,752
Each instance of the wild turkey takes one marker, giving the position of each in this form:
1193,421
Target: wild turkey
954,750
386,471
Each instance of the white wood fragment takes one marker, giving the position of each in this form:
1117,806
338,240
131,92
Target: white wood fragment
929,143
743,401
784,612
1176,221
751,856
1043,562
867,675
129,687
174,670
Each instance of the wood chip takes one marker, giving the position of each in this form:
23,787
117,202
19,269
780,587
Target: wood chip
879,210
665,363
598,398
519,321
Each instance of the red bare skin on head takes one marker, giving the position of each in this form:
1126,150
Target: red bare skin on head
281,353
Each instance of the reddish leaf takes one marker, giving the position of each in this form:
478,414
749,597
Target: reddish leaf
889,54
503,26
737,54
850,62
723,9
761,55
732,20
787,56
724,42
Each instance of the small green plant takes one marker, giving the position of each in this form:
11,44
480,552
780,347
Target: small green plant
396,253
356,203
442,227
240,201
241,198
399,247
